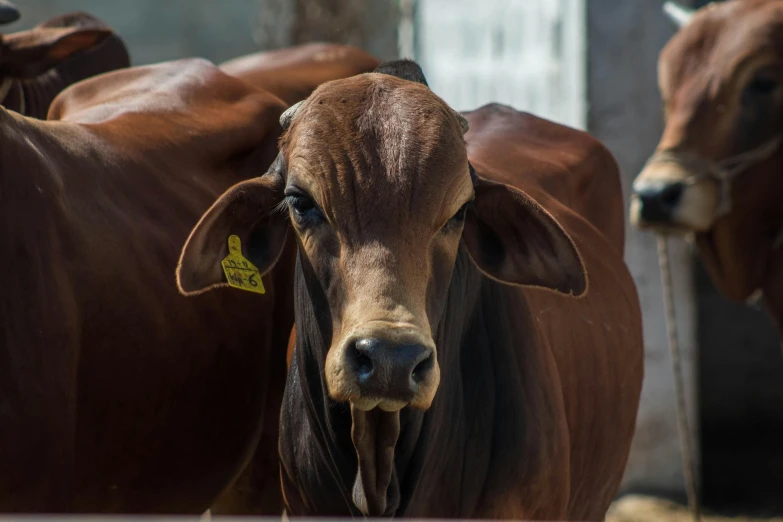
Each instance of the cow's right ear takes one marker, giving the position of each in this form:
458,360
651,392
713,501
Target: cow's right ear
247,210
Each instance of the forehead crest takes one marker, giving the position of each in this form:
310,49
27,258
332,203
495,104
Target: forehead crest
403,69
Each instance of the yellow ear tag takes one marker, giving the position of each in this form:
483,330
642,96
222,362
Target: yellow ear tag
240,272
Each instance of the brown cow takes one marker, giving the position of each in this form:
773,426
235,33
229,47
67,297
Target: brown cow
117,394
716,172
37,64
444,366
292,74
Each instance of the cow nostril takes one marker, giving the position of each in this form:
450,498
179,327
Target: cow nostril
671,194
422,369
362,363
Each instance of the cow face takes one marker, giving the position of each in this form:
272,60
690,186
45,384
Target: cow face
374,176
716,170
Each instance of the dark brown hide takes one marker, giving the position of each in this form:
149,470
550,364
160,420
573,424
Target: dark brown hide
36,65
118,394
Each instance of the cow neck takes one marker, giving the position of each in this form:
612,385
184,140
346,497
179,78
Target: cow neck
38,93
434,447
33,241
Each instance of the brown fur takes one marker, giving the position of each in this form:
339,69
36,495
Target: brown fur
43,61
294,73
534,411
117,394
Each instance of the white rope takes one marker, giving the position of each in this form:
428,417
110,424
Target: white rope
688,462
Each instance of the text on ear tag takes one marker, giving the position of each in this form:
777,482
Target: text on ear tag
240,272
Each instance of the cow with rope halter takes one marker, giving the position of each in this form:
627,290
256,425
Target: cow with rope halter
716,171
37,64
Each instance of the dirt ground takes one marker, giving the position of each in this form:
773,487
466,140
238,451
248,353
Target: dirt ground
637,508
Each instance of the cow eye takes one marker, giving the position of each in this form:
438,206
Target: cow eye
304,209
758,87
457,218
460,215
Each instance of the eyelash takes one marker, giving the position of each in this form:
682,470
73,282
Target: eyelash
457,218
304,209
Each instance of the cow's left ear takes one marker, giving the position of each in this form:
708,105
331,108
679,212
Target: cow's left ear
513,240
247,210
27,54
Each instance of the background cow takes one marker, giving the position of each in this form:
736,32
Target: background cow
716,172
294,73
37,64
117,394
441,368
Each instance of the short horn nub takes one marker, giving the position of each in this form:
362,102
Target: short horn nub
288,115
678,14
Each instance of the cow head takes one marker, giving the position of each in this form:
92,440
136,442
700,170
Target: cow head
373,172
374,176
716,171
27,54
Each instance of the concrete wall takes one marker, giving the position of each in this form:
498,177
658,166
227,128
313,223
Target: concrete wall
369,25
156,30
624,39
159,30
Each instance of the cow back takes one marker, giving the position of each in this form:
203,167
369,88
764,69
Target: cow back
152,402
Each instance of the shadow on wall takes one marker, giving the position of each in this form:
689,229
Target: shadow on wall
741,404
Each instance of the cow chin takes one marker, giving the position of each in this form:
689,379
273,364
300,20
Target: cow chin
367,404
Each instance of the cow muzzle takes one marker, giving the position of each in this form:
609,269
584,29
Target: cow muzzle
683,190
385,369
670,196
